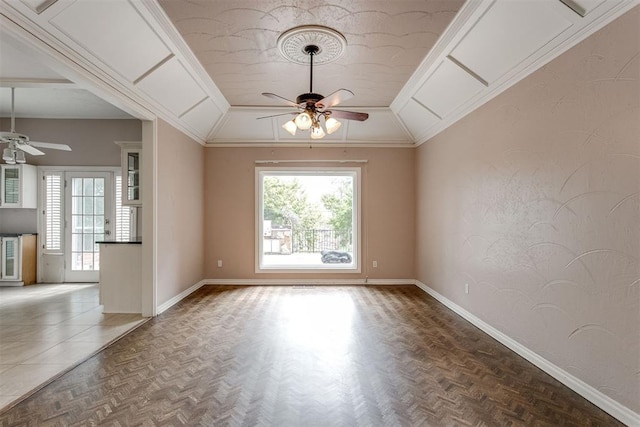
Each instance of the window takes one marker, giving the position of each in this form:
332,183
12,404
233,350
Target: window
53,215
307,219
123,213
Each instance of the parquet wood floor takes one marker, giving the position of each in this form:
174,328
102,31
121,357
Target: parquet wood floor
306,356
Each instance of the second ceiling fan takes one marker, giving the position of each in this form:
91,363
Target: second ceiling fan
313,108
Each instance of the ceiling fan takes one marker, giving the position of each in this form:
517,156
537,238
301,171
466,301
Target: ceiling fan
313,107
20,144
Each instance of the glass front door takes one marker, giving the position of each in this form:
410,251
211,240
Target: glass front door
88,221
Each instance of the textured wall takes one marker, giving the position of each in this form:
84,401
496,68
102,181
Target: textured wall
388,209
534,201
91,141
18,220
180,212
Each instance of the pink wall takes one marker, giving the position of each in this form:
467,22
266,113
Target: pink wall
388,209
533,201
180,213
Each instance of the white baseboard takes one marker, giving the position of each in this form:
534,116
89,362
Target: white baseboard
254,282
182,295
607,404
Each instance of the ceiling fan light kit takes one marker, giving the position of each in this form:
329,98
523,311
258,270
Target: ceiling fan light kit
314,44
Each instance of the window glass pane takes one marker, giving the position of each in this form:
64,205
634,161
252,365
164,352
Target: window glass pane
87,202
99,187
88,242
76,242
76,205
99,224
76,221
88,224
87,261
11,185
76,261
307,220
87,187
99,210
76,186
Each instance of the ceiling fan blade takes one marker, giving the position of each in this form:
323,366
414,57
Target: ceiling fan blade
349,115
50,145
335,98
276,115
29,149
281,99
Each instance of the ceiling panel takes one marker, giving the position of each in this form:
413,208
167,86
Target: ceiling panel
20,63
382,125
203,117
508,33
447,88
417,119
235,40
242,124
131,47
172,86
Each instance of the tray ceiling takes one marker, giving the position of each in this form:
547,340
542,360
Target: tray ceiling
415,66
236,42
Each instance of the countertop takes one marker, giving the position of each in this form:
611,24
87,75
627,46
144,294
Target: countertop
17,234
114,242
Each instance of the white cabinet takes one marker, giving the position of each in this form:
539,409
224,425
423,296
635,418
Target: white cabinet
131,163
18,186
17,260
10,251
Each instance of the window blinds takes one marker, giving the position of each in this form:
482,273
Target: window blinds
53,215
122,214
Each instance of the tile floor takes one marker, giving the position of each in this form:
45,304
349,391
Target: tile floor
47,329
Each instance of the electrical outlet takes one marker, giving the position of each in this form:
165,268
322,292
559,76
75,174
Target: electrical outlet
219,263
375,264
466,288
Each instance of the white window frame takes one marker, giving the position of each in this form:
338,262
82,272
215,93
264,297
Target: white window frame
355,172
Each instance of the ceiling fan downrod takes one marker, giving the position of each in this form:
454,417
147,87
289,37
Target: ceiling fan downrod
311,50
13,111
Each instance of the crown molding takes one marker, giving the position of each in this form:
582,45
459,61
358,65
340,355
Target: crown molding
308,144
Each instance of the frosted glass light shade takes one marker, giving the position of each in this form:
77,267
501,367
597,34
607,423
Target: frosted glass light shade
317,132
20,158
290,127
7,155
303,121
332,125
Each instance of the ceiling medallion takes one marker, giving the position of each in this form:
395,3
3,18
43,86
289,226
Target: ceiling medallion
292,44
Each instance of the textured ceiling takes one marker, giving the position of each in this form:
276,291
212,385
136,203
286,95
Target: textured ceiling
236,42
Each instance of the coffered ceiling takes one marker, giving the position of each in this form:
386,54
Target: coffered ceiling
414,66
